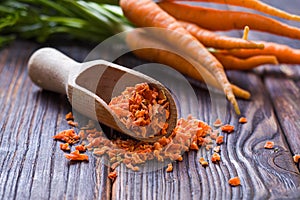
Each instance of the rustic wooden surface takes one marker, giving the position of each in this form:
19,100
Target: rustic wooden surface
33,167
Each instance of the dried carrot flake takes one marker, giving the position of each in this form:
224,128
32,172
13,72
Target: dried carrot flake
81,148
296,158
112,175
227,128
243,120
136,105
269,145
68,136
219,139
203,162
169,168
133,168
217,123
72,123
214,134
235,181
143,109
65,147
75,155
69,116
194,146
215,157
179,158
217,149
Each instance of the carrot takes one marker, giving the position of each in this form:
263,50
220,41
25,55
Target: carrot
255,5
146,13
214,19
283,53
211,39
153,50
246,33
233,63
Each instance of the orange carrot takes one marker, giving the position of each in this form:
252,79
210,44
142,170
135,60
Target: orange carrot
148,48
214,19
283,53
255,5
211,39
146,13
233,63
235,181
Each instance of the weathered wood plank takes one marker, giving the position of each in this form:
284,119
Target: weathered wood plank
32,165
264,173
271,164
281,81
285,96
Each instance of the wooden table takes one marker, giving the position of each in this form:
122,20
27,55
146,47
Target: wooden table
33,167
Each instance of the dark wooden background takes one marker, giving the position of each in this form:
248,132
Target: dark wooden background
33,167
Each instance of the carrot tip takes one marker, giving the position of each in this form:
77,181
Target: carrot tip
233,101
237,109
245,95
246,32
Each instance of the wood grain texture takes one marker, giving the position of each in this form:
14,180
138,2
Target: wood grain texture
285,96
32,165
281,81
264,173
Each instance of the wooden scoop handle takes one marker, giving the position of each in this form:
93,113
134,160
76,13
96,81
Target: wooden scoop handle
50,69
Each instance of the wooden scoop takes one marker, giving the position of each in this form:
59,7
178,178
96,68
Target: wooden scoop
91,85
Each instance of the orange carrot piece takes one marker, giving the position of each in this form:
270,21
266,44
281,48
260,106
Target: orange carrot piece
220,139
214,19
112,175
296,158
203,162
80,148
154,16
169,168
68,136
269,145
72,123
255,5
243,120
218,123
75,155
227,128
217,149
69,116
157,52
235,181
233,63
211,39
65,147
215,157
283,53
